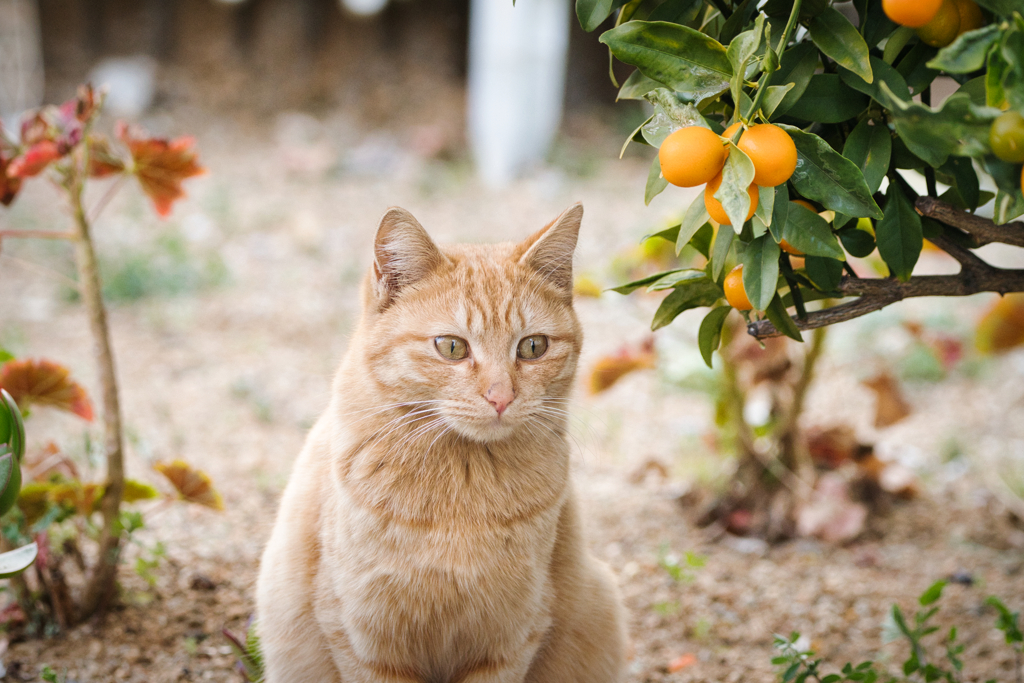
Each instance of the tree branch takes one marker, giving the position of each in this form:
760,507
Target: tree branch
975,274
981,229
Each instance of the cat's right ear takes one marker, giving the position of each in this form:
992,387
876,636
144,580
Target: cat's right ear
403,254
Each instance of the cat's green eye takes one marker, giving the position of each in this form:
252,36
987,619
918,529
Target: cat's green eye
451,348
532,348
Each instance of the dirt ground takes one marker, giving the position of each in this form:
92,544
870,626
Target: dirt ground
228,321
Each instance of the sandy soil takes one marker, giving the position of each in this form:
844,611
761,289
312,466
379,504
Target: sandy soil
228,363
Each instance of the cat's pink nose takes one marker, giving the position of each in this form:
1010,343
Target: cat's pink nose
499,396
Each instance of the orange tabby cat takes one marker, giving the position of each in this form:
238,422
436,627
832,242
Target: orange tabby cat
430,532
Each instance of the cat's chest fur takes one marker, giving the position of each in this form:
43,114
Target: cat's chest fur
427,559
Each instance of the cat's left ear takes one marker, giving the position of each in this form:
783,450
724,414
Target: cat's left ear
549,251
403,253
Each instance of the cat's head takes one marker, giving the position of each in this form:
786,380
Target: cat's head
484,336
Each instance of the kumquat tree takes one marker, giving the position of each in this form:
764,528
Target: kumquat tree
810,124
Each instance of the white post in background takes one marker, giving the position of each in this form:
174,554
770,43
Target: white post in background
517,64
21,58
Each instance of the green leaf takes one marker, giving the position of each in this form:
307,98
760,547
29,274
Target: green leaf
765,205
914,67
692,294
870,148
737,175
5,355
676,278
744,46
780,212
968,52
677,11
7,465
684,59
897,41
828,100
636,86
723,241
773,98
898,234
741,15
701,240
709,337
975,89
958,127
668,234
761,271
13,425
958,172
839,40
693,220
592,13
808,232
827,177
796,67
1008,207
776,312
655,183
670,114
631,287
825,273
996,69
883,74
857,242
15,562
933,593
636,136
1003,7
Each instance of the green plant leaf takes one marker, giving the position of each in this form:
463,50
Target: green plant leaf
958,127
12,425
737,175
15,562
857,242
898,234
897,41
631,287
636,86
828,100
677,11
959,173
883,74
914,67
765,205
684,59
7,465
968,52
780,212
694,219
839,40
655,183
744,46
701,240
709,337
592,13
933,593
824,273
776,312
829,178
773,98
808,232
761,271
691,294
1003,7
796,67
870,148
5,355
723,242
740,17
676,278
670,114
995,69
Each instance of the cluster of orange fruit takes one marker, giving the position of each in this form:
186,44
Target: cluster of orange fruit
938,22
695,156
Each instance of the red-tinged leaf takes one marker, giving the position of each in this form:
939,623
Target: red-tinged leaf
161,166
34,160
43,382
1002,326
8,186
102,160
681,662
193,485
610,369
892,406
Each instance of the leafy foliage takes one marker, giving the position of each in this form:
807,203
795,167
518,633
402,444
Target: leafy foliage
43,382
797,664
845,89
